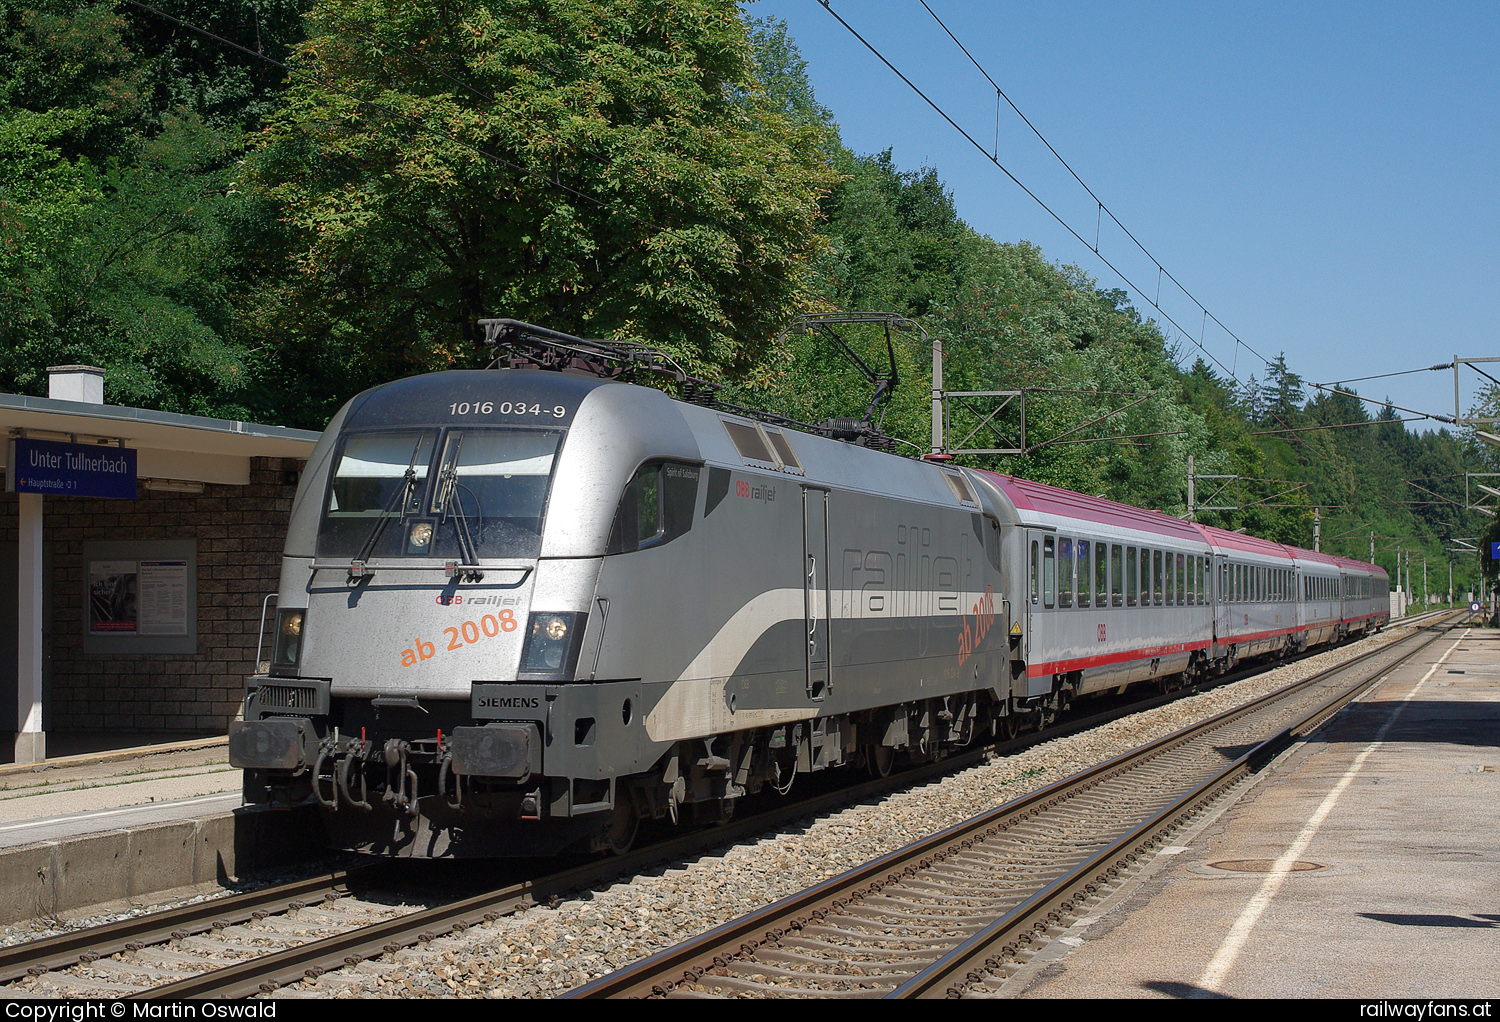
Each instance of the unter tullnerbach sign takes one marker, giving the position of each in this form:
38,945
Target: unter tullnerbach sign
70,470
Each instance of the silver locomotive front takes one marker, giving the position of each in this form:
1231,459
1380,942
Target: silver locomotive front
435,596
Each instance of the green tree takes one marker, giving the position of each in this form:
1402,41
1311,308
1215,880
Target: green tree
110,247
609,169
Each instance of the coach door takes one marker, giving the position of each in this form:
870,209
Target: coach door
1222,592
815,594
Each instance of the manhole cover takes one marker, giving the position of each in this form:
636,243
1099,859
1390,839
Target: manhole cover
1266,866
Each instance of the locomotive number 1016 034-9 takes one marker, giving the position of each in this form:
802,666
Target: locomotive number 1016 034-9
504,408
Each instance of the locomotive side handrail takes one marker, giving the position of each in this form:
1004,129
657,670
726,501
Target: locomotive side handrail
260,638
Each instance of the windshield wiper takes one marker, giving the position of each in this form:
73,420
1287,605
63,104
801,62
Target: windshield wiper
449,500
401,497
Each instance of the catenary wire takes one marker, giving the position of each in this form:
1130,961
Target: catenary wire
1032,195
1161,270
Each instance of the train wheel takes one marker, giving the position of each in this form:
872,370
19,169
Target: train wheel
1010,726
880,759
624,825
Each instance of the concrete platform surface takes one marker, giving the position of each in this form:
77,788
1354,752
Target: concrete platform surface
121,826
113,788
1364,863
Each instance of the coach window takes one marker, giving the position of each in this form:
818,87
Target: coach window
1065,573
1101,574
1049,572
1156,577
1130,576
1171,579
1084,576
1036,588
1192,581
1181,580
1117,574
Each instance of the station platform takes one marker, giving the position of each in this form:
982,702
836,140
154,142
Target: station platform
121,824
104,781
1364,862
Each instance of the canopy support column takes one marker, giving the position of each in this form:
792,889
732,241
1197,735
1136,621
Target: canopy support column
31,740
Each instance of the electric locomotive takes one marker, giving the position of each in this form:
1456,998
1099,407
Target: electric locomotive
523,609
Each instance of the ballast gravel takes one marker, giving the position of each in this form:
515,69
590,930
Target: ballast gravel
545,951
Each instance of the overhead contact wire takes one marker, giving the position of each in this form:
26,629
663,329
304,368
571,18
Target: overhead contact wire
1161,270
1030,194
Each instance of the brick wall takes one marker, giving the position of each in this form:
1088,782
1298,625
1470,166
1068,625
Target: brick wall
239,532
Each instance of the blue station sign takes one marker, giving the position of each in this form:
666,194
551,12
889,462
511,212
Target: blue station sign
70,470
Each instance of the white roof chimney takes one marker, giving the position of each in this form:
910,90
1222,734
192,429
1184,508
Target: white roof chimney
76,383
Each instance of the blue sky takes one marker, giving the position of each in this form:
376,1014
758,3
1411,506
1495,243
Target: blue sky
1321,176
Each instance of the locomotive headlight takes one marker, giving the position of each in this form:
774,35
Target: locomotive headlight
286,652
550,652
421,535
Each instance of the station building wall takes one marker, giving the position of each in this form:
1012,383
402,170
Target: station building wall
238,532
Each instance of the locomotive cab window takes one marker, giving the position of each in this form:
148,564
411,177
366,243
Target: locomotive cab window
486,496
657,506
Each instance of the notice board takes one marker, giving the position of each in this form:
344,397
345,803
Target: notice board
140,596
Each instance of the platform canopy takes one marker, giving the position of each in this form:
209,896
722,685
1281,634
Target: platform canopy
190,448
171,452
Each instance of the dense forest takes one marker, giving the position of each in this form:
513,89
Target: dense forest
255,210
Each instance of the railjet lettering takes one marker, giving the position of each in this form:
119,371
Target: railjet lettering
760,492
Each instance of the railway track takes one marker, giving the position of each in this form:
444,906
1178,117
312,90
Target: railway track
244,944
252,943
957,912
